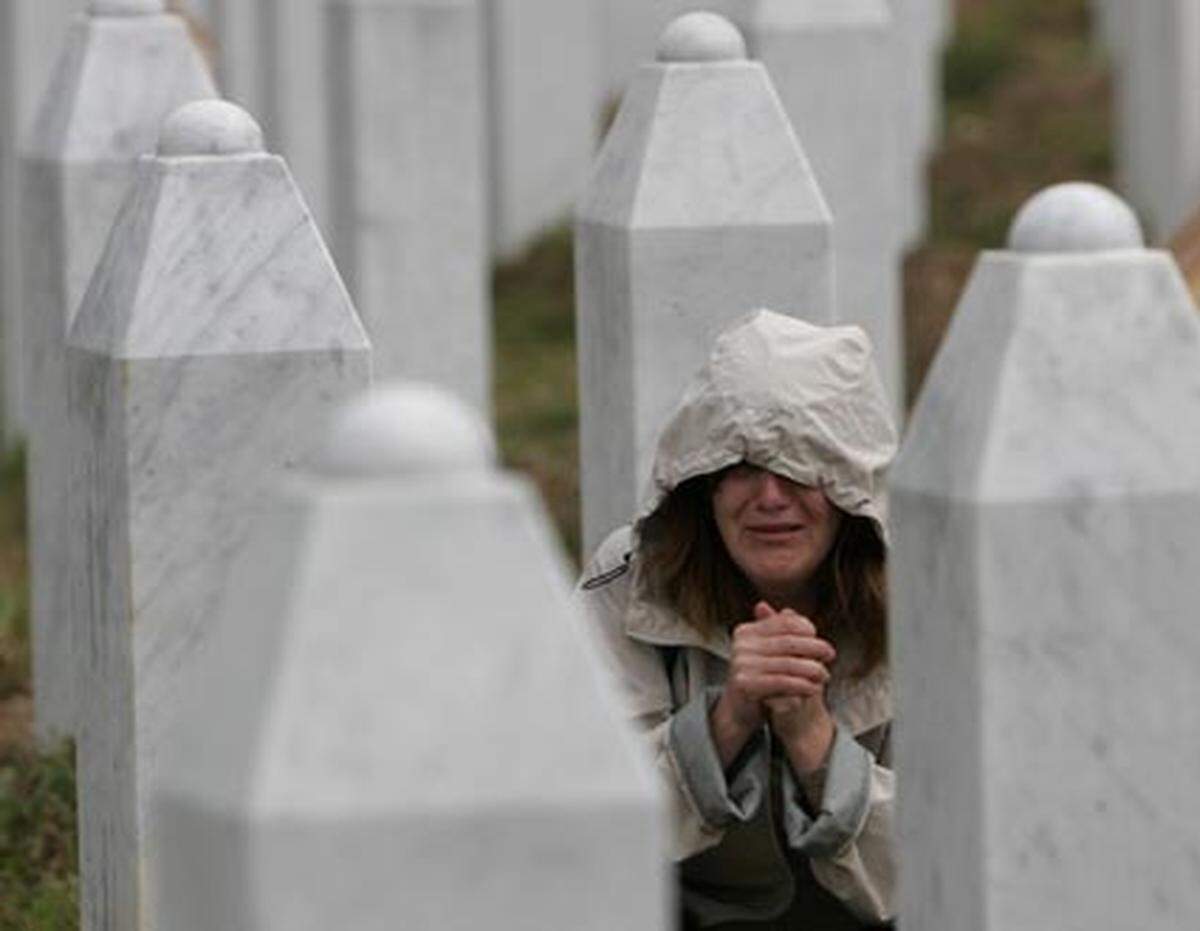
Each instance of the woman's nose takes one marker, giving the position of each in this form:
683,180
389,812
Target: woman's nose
772,490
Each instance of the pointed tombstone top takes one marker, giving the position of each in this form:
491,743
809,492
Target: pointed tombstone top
214,253
701,37
1075,217
1073,359
126,7
405,430
207,128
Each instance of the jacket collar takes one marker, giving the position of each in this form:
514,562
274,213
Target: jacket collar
656,624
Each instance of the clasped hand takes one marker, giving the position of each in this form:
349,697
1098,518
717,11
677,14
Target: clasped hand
777,674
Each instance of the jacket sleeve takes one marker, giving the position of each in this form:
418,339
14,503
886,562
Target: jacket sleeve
703,802
841,818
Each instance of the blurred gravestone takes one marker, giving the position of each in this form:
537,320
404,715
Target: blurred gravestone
1045,575
630,31
1158,111
213,341
385,736
409,196
31,33
295,104
238,31
701,207
834,67
120,74
923,28
544,104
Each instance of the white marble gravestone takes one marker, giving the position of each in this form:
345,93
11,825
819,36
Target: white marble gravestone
31,33
834,67
1110,25
1045,575
701,207
213,342
295,104
630,31
238,31
409,190
271,58
384,735
121,73
923,28
544,103
1158,112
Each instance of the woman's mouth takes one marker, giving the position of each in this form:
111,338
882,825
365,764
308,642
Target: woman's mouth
775,530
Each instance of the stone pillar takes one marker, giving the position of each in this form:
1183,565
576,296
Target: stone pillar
295,104
31,33
213,342
545,100
834,66
1158,112
123,70
409,202
428,739
923,27
701,208
630,29
239,32
1107,19
1045,575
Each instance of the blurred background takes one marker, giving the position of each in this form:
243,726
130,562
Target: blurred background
1029,100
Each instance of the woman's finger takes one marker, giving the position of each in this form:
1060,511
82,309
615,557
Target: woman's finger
788,645
762,687
789,666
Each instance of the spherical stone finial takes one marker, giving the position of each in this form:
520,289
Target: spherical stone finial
403,429
127,7
1075,217
701,37
209,127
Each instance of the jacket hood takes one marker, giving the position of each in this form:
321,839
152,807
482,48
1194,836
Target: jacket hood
803,401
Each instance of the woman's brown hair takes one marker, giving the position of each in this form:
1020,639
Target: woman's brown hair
684,565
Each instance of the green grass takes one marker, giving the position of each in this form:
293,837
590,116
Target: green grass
536,409
1027,105
38,851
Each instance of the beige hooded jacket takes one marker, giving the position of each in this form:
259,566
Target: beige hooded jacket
805,402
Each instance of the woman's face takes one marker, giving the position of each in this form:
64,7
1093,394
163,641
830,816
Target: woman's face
776,531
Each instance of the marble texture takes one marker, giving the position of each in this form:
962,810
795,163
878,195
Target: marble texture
434,754
31,33
272,59
118,77
1158,112
409,188
544,105
701,207
834,67
212,344
1044,574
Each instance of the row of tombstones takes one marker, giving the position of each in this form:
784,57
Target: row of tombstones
701,203
1048,447
413,149
296,754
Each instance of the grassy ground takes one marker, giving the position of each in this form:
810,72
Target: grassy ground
1027,105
